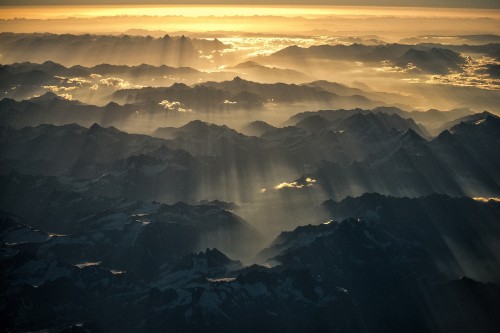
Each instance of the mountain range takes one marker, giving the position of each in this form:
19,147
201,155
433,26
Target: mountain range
314,181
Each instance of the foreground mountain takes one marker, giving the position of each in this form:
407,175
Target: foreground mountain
142,238
215,305
84,247
470,227
395,263
388,265
134,268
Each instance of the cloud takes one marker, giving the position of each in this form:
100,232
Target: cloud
482,199
79,81
309,182
267,45
73,83
173,106
409,68
74,80
66,96
58,89
288,185
473,75
116,82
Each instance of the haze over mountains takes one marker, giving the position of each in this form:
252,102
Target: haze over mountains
222,173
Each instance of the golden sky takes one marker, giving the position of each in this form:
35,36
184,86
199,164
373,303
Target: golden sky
52,12
410,3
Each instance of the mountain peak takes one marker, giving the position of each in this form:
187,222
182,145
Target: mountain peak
409,135
257,128
444,136
47,97
247,64
489,121
214,253
178,85
195,125
51,63
95,126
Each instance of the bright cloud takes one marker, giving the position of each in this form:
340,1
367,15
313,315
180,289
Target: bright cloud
482,199
473,75
173,106
296,185
58,89
66,96
118,83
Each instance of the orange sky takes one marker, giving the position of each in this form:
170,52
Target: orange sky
51,12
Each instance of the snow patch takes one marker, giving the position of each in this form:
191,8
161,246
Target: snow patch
88,264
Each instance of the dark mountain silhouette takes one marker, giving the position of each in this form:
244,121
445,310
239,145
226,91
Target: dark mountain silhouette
50,108
199,98
426,219
112,163
50,68
473,118
429,59
431,119
239,94
435,60
359,255
352,136
289,93
168,232
95,83
91,50
69,150
200,138
408,165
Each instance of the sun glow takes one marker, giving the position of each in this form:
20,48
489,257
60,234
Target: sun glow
310,11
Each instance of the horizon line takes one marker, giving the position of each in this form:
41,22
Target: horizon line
94,3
